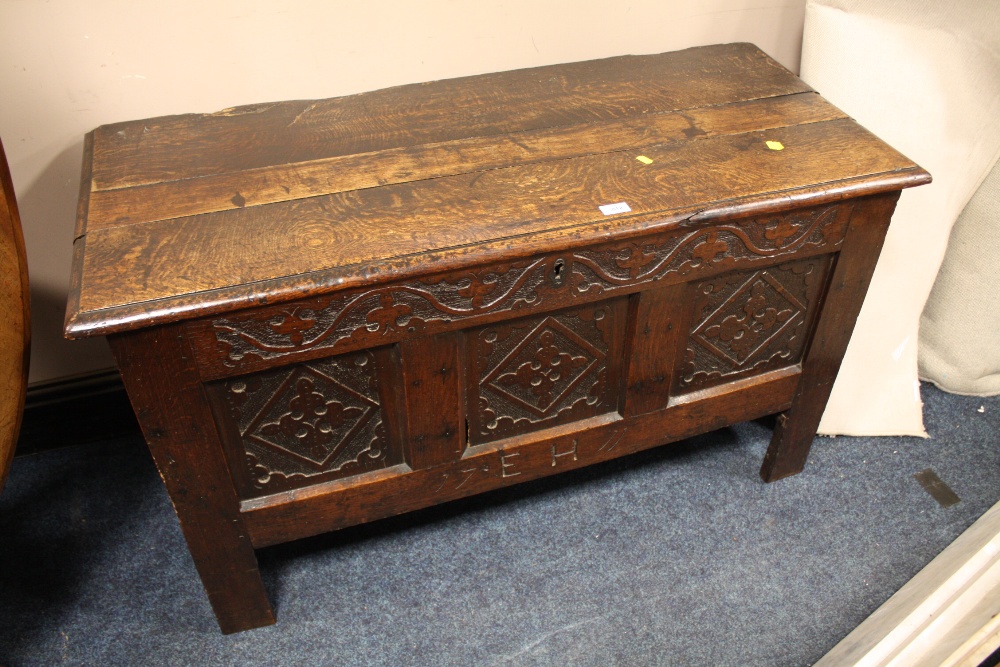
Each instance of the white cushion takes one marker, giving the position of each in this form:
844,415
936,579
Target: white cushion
960,326
924,76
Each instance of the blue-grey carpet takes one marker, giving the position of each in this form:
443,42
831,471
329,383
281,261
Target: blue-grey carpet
677,556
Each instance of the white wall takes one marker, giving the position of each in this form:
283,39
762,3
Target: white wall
67,67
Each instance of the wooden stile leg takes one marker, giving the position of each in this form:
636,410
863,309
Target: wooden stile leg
796,427
162,382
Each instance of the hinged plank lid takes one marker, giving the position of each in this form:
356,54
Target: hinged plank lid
188,215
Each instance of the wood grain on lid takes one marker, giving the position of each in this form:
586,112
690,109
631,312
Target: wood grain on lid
184,209
263,135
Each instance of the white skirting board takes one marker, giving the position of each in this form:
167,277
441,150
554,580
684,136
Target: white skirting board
946,616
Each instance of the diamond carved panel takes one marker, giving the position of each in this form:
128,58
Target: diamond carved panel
310,417
545,367
750,322
541,371
756,314
297,425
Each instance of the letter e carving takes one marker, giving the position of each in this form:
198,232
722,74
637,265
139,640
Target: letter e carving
506,465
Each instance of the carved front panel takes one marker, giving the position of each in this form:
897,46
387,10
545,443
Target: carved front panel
298,425
749,322
541,371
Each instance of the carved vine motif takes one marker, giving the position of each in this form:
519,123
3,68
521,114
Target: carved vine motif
541,371
313,419
367,317
380,311
750,321
722,246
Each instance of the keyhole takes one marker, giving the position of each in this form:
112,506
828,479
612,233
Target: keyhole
557,271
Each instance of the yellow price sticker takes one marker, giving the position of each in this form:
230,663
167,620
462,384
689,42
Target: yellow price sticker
775,145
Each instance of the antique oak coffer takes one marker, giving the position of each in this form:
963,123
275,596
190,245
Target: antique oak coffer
327,312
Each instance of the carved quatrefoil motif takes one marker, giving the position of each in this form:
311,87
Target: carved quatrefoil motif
749,319
544,367
311,417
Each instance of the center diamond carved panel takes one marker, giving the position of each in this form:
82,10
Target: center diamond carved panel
544,367
542,371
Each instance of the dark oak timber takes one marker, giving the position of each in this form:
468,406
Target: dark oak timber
295,514
147,151
287,182
432,385
158,372
362,228
327,312
852,274
658,324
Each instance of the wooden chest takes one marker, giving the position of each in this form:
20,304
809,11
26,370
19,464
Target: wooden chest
327,312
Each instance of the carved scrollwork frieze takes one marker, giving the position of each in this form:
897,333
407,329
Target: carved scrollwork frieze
382,314
365,318
719,248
